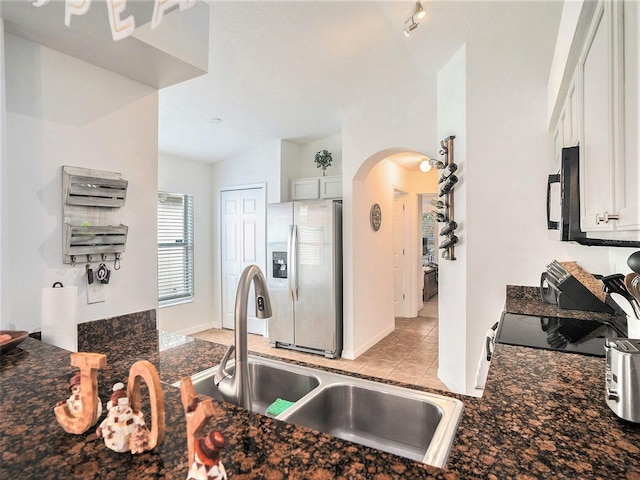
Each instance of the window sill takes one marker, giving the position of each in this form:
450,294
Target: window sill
177,301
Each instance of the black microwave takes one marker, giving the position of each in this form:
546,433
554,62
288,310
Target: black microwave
569,222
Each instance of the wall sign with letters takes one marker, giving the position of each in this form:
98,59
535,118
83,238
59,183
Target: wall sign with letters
120,27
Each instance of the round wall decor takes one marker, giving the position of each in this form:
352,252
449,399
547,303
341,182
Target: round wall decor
375,216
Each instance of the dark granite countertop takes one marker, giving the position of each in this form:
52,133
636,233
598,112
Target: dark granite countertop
526,300
542,415
32,445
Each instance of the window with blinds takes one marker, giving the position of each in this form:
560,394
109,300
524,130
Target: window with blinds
175,248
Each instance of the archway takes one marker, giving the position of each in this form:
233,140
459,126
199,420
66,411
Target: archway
374,183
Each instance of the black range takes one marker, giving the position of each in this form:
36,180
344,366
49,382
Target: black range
586,337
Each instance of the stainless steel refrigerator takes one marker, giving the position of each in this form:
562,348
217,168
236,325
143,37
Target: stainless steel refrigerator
304,275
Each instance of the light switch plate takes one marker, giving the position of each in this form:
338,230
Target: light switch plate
96,292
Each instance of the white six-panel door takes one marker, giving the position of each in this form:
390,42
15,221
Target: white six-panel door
242,222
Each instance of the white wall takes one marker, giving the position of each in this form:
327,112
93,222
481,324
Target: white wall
508,159
402,119
373,258
63,111
505,155
261,165
452,275
289,167
178,175
492,95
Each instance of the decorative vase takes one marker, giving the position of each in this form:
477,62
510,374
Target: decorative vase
324,172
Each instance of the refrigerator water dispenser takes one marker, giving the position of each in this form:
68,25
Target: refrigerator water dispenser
279,264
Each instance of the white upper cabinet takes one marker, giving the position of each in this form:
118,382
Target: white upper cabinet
629,159
331,187
305,189
595,70
566,132
606,112
316,187
571,137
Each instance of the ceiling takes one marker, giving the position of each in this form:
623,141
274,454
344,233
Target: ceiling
287,70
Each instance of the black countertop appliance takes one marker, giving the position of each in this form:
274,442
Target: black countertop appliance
586,337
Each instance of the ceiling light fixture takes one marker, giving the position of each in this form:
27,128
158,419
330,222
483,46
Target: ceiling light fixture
418,13
410,29
425,166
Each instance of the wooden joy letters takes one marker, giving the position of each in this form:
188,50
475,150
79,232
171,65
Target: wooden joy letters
88,363
145,370
197,412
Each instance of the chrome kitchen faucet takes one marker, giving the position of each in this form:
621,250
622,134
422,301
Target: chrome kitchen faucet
236,385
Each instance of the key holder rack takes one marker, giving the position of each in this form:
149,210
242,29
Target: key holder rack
446,186
91,201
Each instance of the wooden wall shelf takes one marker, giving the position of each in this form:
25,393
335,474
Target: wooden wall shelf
95,191
93,243
91,201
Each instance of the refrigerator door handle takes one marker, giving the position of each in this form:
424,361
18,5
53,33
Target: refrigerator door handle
293,261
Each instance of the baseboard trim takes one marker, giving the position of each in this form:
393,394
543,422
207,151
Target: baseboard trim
359,351
196,329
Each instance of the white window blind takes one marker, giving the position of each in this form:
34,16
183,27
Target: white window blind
175,248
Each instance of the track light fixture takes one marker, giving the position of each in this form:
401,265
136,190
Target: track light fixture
410,28
417,14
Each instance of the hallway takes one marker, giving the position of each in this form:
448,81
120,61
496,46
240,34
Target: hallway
409,354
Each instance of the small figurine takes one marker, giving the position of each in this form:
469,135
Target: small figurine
74,402
82,409
206,462
123,429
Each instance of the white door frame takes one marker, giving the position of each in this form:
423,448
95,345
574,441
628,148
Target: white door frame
422,197
251,186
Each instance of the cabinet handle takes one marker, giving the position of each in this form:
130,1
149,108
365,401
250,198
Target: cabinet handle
606,217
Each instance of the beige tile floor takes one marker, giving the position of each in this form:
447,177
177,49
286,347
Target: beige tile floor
409,354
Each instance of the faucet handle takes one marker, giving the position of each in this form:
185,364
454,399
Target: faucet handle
222,372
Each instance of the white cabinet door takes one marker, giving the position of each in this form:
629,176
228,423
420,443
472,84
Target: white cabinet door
316,187
305,189
331,187
570,118
609,98
572,101
558,138
597,152
629,101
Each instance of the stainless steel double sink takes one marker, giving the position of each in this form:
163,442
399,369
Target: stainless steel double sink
409,423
